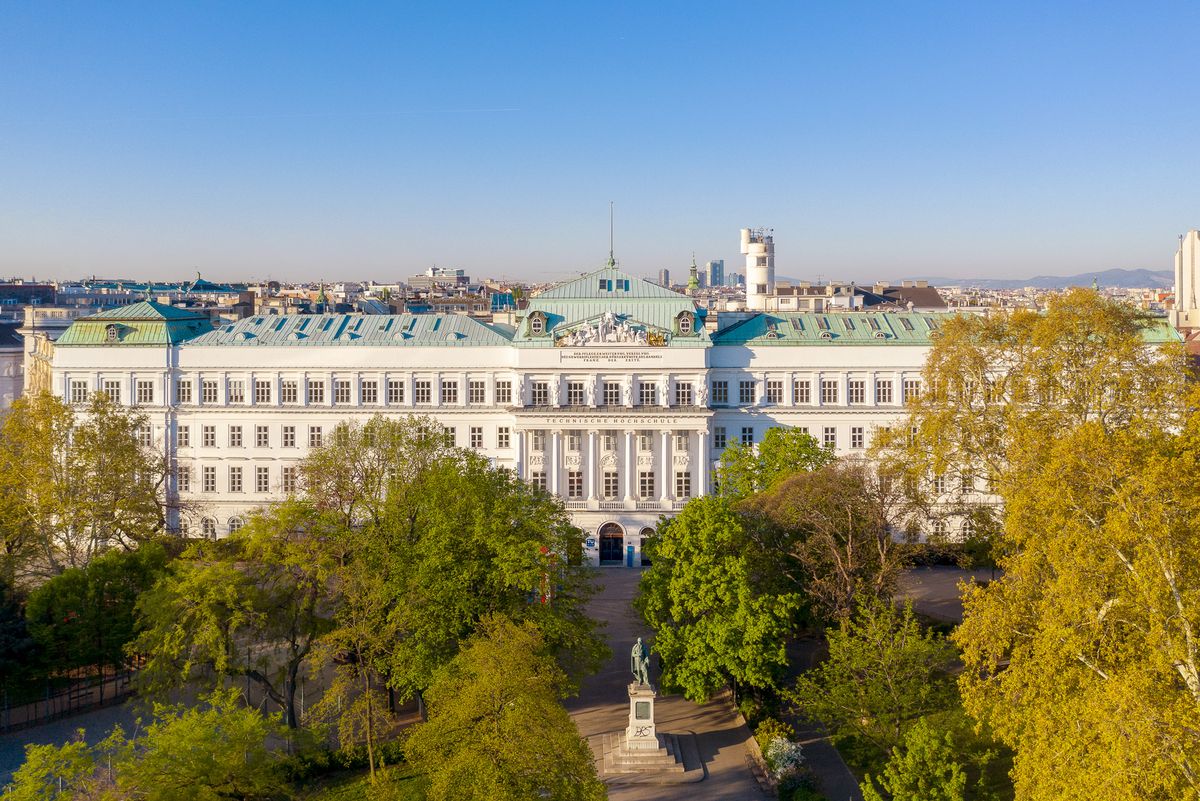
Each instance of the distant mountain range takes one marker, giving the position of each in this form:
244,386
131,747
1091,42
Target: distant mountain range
1122,279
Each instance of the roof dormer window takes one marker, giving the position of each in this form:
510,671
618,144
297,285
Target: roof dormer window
537,324
110,333
685,323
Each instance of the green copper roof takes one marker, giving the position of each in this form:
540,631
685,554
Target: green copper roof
1160,331
842,328
143,323
332,330
607,298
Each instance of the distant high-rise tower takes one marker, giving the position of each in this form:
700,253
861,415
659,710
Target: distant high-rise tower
758,246
1187,311
664,277
715,270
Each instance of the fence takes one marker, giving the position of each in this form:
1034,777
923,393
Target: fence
79,695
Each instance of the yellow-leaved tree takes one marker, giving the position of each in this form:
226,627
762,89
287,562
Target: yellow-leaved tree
1085,656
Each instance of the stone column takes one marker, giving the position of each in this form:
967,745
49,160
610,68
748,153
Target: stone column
552,462
590,475
702,463
668,467
630,466
520,455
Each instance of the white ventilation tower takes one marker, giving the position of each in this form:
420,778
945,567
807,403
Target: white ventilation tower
758,246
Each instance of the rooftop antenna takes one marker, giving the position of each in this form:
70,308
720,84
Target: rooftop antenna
611,261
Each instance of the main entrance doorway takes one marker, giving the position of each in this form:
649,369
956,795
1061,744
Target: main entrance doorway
612,543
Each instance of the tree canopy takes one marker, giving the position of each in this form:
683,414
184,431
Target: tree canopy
748,469
497,730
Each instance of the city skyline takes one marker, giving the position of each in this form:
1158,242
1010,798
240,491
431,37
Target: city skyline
305,143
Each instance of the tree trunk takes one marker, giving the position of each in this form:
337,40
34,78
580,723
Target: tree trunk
370,725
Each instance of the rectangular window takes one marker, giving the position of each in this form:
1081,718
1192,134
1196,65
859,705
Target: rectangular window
316,392
574,393
370,392
538,479
541,393
645,442
449,436
262,479
883,391
746,393
262,392
423,392
829,391
856,391
719,440
478,391
747,435
208,436
449,393
289,479
939,485
315,436
611,484
235,479
79,391
537,441
683,485
683,394
235,436
647,393
341,392
829,437
912,389
503,393
395,391
289,392
185,437
183,391
775,392
262,437
145,392
476,437
143,436
573,440
574,484
183,478
503,437
113,390
289,436
681,443
608,441
208,391
802,392
237,391
612,393
208,477
720,392
966,481
857,437
646,485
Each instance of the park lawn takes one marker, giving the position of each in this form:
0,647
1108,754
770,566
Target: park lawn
352,785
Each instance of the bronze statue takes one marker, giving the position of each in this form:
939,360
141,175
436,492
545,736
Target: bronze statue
639,662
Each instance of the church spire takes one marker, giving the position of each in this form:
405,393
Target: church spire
693,276
612,263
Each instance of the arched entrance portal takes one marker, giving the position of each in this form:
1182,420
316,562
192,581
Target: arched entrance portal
647,533
612,542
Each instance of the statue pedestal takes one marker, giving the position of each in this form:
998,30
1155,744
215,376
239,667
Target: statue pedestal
640,734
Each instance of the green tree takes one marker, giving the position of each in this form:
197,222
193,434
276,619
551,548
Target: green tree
214,751
17,648
74,483
86,616
748,469
56,773
926,768
835,525
497,729
883,672
251,606
713,595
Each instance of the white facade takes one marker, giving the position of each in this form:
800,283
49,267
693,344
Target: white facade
618,400
758,246
1187,262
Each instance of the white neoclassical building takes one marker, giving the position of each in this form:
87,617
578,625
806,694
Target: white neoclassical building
610,391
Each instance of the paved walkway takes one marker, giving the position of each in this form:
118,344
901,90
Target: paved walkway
603,706
934,591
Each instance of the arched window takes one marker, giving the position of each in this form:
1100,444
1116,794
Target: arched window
612,543
968,528
938,529
235,523
208,528
647,533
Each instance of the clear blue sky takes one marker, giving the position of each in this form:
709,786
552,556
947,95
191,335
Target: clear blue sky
342,140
